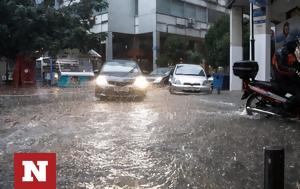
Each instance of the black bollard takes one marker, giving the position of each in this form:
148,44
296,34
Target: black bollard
274,167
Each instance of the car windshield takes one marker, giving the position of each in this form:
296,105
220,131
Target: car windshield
189,70
120,66
160,71
82,65
70,68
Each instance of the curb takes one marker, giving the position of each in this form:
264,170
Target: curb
9,101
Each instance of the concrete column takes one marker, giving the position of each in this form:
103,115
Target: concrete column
262,38
109,46
155,47
56,4
236,47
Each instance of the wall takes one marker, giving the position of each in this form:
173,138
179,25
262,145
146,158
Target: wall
175,25
101,24
145,21
121,16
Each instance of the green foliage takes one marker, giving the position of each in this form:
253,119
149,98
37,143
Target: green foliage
175,47
217,43
163,61
26,28
194,56
179,47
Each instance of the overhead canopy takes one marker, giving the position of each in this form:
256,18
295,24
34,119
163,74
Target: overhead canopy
243,2
277,8
240,3
259,3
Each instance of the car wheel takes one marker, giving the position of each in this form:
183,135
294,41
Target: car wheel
101,98
171,90
164,82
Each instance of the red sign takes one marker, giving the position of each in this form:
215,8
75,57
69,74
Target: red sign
35,170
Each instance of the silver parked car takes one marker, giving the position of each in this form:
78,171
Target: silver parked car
189,78
121,78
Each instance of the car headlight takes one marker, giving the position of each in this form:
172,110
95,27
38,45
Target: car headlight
141,82
177,81
205,82
101,80
55,75
157,80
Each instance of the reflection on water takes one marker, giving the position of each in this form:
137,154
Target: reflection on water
121,152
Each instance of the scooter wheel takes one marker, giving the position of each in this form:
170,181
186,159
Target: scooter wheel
252,103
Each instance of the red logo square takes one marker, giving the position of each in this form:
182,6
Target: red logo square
35,170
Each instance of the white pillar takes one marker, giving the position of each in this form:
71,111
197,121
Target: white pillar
155,47
109,46
236,46
262,38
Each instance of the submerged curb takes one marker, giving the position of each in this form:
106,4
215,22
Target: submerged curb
11,100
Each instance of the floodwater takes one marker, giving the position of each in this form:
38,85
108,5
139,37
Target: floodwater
165,141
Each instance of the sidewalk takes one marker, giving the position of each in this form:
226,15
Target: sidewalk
37,91
11,96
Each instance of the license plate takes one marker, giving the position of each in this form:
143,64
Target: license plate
193,89
121,89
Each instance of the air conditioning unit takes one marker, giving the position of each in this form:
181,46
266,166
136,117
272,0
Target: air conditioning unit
191,23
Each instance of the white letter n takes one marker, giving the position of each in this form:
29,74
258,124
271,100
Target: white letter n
39,173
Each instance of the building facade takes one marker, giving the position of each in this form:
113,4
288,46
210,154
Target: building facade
136,28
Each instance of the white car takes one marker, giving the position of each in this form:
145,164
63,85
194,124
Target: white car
189,78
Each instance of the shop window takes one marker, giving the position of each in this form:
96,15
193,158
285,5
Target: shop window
189,11
164,6
201,14
177,8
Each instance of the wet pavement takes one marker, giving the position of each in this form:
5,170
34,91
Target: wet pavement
165,141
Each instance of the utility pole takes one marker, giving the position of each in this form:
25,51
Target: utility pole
252,40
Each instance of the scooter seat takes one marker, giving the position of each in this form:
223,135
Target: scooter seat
263,84
270,86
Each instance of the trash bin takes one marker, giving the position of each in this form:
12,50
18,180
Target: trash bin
221,81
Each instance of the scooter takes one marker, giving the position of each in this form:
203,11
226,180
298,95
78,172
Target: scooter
262,97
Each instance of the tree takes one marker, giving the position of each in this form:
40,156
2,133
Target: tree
217,42
163,61
27,28
177,47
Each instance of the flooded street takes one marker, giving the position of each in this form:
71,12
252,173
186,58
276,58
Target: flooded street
165,141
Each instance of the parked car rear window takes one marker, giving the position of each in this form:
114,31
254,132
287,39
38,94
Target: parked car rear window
189,70
160,71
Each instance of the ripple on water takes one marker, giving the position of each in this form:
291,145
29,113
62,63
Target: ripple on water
123,155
